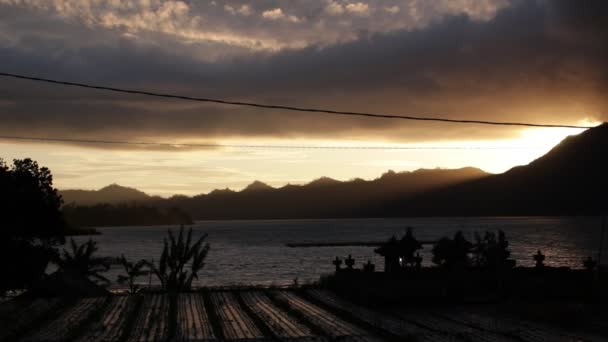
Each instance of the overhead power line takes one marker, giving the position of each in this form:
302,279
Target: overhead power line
282,107
258,146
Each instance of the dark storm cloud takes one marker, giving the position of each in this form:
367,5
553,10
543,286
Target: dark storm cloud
537,61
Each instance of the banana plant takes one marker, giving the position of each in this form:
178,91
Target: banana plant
133,270
172,270
81,260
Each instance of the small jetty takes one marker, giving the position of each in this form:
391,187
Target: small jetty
347,244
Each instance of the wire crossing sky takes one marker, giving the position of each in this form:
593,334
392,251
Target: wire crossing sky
282,107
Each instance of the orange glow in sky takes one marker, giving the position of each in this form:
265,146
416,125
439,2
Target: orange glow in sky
192,172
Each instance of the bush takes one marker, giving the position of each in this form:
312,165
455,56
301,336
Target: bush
492,252
82,262
177,254
133,271
452,253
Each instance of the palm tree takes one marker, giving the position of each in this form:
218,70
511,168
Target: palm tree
81,261
177,254
133,271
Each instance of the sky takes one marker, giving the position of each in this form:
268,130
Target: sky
539,61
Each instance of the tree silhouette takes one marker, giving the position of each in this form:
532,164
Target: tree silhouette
390,250
32,223
492,252
408,246
177,253
80,260
477,250
133,271
452,253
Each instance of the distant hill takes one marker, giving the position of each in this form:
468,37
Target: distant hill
571,179
108,215
323,181
321,198
258,186
112,194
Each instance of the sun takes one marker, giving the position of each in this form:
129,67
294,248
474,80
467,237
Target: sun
547,138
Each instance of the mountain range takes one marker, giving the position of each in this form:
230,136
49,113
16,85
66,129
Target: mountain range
323,197
568,180
571,179
111,194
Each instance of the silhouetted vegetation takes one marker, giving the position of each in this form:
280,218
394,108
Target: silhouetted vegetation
452,253
409,246
133,271
399,254
80,260
390,252
32,223
477,272
172,270
107,215
488,252
492,252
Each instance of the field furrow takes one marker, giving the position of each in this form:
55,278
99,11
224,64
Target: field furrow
17,316
311,315
234,322
521,330
377,319
192,319
280,322
486,322
152,320
111,325
533,332
458,330
64,325
329,323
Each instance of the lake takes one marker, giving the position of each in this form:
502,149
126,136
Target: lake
254,252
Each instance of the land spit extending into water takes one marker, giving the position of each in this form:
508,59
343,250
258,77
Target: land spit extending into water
303,314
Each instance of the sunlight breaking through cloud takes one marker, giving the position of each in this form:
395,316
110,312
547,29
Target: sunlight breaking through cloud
231,23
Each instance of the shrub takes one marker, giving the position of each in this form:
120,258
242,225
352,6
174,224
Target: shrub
452,253
133,271
492,252
177,254
81,261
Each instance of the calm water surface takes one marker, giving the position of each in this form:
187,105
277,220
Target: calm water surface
254,252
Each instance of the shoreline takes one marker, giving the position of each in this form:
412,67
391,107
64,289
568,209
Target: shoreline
202,221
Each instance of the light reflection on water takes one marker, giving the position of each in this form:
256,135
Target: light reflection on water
254,252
